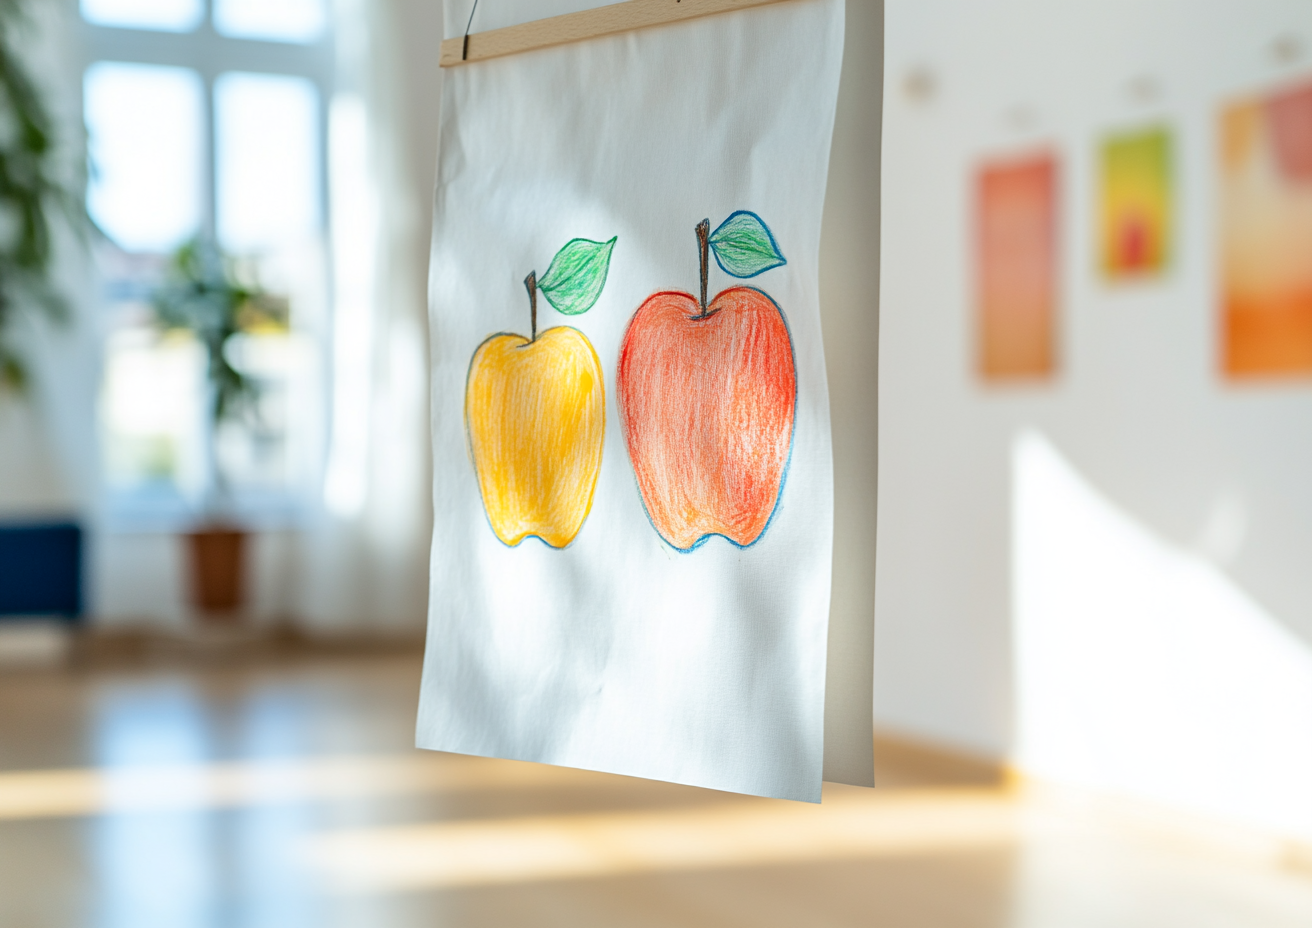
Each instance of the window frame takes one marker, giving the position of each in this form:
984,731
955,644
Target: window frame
210,54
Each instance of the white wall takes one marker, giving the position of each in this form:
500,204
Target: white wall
1208,468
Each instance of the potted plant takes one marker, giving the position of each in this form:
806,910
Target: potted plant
30,194
204,293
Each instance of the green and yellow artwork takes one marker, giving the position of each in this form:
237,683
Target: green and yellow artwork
1136,227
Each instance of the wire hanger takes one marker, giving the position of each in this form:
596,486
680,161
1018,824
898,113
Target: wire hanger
464,53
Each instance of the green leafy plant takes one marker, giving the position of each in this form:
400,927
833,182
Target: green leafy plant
31,194
204,294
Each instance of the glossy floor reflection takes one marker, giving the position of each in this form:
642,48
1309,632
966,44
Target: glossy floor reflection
284,792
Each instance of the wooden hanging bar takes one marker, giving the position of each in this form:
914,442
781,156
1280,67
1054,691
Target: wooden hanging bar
588,24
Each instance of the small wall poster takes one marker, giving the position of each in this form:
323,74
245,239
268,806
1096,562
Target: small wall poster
1266,235
633,498
1016,267
1135,220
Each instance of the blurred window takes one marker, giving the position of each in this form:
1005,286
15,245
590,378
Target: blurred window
272,20
166,15
217,134
267,160
146,128
152,380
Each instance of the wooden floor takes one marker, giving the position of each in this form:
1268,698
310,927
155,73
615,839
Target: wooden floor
282,791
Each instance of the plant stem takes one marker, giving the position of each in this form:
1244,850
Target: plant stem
703,245
531,283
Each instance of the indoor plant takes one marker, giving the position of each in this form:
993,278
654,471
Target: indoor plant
204,294
30,195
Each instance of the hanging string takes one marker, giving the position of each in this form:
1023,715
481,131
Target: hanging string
464,52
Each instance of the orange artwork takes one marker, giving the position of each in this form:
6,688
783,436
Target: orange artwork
1017,268
1266,239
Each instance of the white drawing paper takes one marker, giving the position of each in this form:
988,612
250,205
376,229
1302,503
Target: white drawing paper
633,494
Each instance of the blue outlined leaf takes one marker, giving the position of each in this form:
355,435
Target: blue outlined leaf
744,245
577,275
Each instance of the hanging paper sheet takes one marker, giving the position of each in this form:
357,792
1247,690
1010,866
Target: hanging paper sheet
632,462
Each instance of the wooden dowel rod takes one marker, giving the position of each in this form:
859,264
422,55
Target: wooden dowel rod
588,24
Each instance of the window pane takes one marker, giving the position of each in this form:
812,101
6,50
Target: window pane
145,133
267,161
276,20
255,450
153,397
168,15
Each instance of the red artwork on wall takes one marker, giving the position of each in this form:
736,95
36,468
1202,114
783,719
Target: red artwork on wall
1016,252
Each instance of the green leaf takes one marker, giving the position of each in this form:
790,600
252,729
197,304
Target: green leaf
744,245
576,276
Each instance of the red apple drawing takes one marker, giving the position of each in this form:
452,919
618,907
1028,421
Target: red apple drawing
707,395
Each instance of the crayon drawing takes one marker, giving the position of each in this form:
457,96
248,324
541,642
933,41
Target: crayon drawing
535,409
707,395
1017,268
1135,203
564,626
1266,236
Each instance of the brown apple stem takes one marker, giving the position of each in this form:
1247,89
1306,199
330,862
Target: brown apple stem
531,283
703,245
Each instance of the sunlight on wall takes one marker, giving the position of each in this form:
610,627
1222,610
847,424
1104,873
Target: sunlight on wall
1142,668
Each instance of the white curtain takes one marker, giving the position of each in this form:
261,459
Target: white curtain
366,563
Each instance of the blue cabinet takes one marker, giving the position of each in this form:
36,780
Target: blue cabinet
41,569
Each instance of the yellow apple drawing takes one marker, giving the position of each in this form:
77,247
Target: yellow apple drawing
535,409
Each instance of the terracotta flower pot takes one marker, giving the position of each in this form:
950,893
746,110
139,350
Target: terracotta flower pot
218,571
